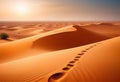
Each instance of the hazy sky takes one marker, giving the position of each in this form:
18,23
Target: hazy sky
60,10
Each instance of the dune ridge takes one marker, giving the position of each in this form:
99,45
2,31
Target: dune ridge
105,29
100,64
63,38
10,52
68,39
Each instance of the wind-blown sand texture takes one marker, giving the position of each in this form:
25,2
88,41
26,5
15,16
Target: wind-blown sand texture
90,58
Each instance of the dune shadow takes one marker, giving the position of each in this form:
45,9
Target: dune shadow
68,39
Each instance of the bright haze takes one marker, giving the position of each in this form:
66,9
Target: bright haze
59,10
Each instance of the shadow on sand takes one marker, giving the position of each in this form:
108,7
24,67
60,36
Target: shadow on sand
68,39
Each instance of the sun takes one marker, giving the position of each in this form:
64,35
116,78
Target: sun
21,9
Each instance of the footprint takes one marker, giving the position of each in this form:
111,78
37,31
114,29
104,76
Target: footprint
95,44
87,48
56,76
77,57
70,65
92,46
81,54
66,68
84,51
72,62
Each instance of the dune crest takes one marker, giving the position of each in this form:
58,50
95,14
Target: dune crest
105,29
68,39
23,47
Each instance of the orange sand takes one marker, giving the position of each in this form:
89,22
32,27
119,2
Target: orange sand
96,61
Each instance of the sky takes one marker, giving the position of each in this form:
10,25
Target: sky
59,10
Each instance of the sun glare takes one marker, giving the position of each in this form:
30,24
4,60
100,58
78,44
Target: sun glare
21,9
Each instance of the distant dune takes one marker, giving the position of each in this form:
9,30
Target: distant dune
68,39
23,30
105,29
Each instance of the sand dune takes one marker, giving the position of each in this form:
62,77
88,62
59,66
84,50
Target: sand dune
105,29
33,69
68,39
15,49
91,63
100,64
73,54
25,29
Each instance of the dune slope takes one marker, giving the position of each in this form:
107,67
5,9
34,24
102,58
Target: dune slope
98,62
16,49
36,68
63,38
68,39
106,29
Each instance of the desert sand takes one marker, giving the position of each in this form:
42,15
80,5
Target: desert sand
106,29
15,49
73,54
20,30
